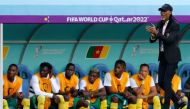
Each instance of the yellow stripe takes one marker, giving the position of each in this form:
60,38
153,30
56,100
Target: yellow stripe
5,52
104,52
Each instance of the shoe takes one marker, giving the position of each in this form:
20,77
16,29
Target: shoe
181,104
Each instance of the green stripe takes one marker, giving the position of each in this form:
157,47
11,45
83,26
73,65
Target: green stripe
91,52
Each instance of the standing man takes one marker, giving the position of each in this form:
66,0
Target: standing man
167,32
176,86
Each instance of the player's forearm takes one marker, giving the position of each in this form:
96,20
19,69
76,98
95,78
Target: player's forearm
139,90
39,92
6,97
99,93
111,92
61,92
55,86
152,94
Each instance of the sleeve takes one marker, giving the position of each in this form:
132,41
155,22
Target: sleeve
54,84
36,87
101,85
57,80
128,82
179,86
82,85
133,83
107,80
156,81
77,86
152,40
152,82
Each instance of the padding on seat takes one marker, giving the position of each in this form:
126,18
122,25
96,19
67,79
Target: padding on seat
26,75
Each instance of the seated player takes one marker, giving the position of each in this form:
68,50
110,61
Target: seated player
68,83
93,90
143,86
176,85
13,97
44,88
117,84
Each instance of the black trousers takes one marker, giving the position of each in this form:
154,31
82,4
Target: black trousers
166,72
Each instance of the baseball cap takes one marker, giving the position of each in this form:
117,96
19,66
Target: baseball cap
166,7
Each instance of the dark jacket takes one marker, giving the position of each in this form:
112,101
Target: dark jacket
170,40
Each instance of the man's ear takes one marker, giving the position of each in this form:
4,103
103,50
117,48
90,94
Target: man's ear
170,12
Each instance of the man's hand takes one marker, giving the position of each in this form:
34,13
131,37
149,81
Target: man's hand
143,97
51,74
126,94
153,36
19,95
141,77
67,90
86,94
182,94
56,98
152,30
74,92
93,94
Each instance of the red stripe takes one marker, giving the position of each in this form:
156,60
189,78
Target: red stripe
97,51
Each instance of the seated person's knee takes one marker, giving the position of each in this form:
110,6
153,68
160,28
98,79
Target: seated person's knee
132,100
156,99
102,98
26,102
41,99
115,99
66,98
82,103
61,98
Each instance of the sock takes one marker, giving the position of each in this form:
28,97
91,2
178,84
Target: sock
132,106
41,101
114,105
5,104
139,103
156,103
26,103
103,104
61,104
186,100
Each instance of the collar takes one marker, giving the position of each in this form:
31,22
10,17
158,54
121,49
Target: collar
166,22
